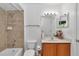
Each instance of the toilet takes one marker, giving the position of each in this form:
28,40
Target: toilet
29,52
30,48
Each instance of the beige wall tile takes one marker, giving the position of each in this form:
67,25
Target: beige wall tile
16,20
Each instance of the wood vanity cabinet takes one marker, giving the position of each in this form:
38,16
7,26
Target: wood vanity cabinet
63,49
48,49
55,49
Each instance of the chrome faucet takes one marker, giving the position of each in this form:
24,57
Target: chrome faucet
42,34
13,45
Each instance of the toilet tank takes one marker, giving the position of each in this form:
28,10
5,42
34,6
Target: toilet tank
31,44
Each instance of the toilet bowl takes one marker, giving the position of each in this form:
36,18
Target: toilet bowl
29,52
31,48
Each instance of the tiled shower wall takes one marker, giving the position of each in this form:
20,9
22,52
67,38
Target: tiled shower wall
3,33
15,37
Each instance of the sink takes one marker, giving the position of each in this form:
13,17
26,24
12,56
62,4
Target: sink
54,40
49,38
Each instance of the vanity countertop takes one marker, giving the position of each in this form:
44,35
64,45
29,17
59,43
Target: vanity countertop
55,41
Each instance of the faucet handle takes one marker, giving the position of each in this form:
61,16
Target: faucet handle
14,40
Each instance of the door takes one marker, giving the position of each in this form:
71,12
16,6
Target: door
48,49
63,49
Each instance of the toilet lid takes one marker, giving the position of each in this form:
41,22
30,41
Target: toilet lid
29,52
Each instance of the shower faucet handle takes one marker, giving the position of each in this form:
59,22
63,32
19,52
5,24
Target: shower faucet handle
13,45
14,40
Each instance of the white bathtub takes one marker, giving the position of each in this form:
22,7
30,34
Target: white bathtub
12,52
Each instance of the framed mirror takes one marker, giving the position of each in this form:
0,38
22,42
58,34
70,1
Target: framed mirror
63,21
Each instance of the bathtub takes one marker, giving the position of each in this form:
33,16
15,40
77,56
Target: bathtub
12,52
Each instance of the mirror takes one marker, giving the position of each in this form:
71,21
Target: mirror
63,21
51,21
48,24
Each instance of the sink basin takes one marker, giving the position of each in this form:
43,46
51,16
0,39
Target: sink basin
49,38
54,40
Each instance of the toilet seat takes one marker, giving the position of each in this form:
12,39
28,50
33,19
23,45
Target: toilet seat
29,52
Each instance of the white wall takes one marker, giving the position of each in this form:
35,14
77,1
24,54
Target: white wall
70,32
32,16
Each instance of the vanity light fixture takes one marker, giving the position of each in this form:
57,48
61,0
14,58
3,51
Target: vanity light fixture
49,13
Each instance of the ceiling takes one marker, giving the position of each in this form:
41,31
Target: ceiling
10,6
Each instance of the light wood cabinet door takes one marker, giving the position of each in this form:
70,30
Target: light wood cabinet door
63,49
48,49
